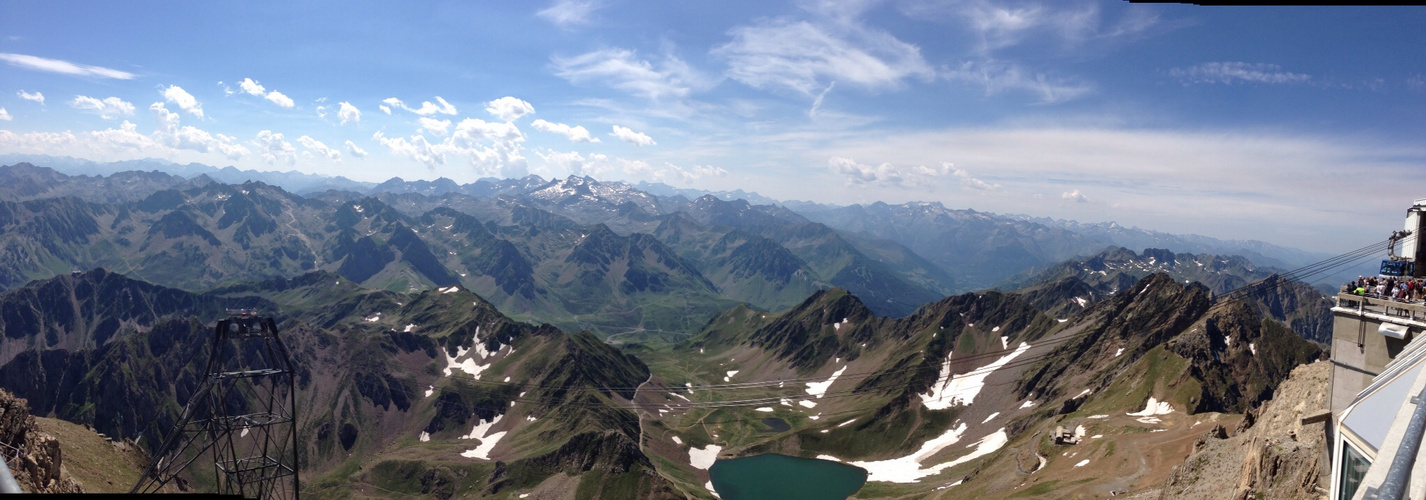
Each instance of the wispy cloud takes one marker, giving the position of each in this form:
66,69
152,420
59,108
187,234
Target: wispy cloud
427,107
636,138
573,133
624,70
36,97
356,151
1229,73
887,174
252,87
567,13
438,128
320,148
807,55
108,108
64,67
997,77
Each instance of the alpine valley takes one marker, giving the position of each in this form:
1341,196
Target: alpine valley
575,338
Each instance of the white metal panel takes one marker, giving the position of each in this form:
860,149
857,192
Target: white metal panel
1392,330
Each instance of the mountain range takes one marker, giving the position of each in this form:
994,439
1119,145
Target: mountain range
579,338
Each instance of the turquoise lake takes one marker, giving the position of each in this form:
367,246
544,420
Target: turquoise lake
782,477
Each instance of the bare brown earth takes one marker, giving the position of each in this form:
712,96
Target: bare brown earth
1277,458
97,463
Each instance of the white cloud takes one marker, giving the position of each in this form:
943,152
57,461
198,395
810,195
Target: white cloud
887,174
348,113
38,142
696,172
416,148
624,70
509,108
806,56
252,87
109,108
183,100
575,134
632,137
127,137
273,148
968,181
999,76
996,25
321,111
169,132
566,13
574,163
318,147
355,150
63,67
436,127
1074,196
36,97
493,148
427,108
280,99
1238,72
5,115
384,108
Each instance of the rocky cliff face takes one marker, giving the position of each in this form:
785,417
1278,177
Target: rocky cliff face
1274,457
33,456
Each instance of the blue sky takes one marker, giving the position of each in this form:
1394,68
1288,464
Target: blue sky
1300,126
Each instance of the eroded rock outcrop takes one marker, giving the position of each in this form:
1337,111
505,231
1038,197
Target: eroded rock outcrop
33,456
1276,457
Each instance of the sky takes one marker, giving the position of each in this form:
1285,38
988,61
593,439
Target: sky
1299,126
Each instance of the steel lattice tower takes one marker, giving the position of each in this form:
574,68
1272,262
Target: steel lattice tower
241,419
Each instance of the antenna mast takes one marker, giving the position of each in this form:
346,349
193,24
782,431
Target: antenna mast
242,418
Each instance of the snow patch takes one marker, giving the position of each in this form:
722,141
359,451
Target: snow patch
1004,341
991,417
849,422
452,289
409,328
1061,320
1027,404
425,436
820,388
430,390
765,409
709,486
677,440
996,329
1153,407
950,390
1253,348
1118,352
680,396
1096,436
1082,463
1096,417
807,404
704,458
1083,393
374,318
909,469
1228,340
1081,301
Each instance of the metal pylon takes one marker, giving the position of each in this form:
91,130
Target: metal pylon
242,419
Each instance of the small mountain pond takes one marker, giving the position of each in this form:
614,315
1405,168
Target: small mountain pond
772,476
